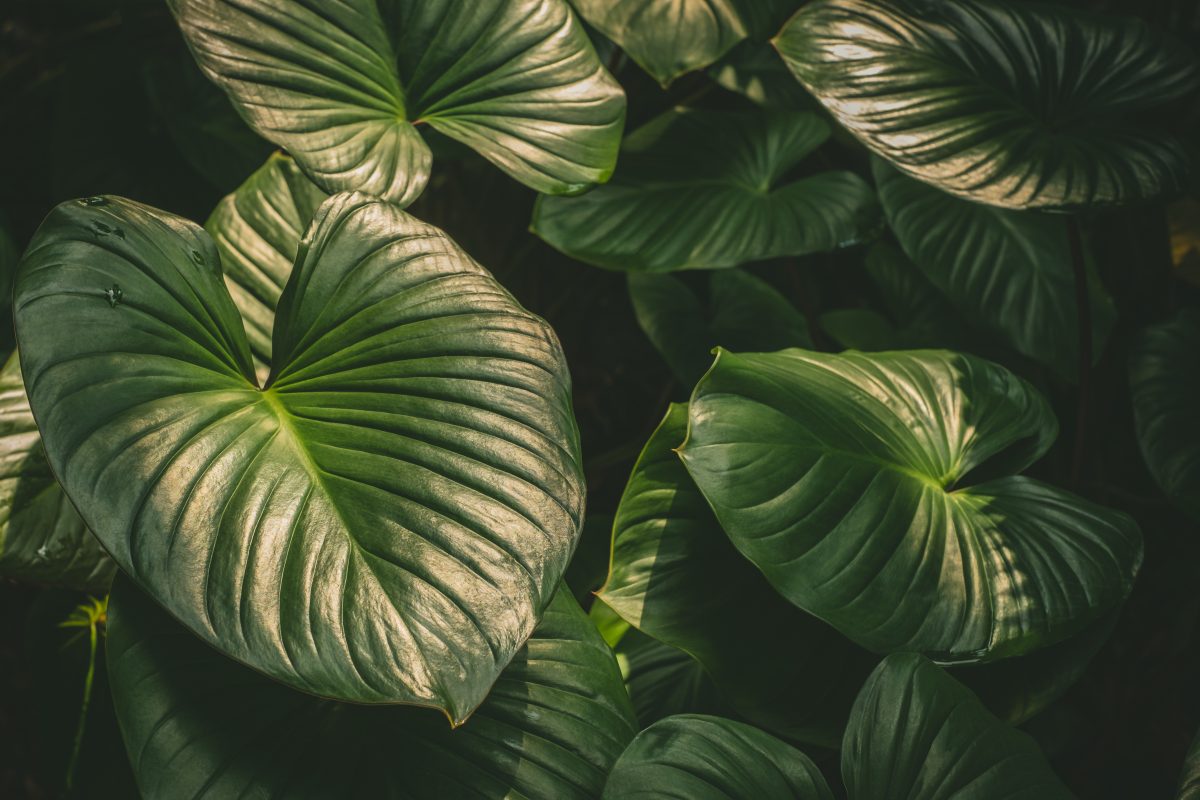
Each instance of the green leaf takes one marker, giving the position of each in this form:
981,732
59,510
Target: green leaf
343,88
742,313
1189,781
709,758
386,520
664,680
257,230
710,189
669,38
1020,106
917,733
197,724
878,493
756,71
676,577
925,317
1009,272
1164,376
42,538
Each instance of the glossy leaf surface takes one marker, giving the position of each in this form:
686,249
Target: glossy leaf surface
663,680
257,230
669,38
1009,104
878,493
742,312
1165,380
709,758
708,189
42,538
199,725
1009,272
916,732
676,576
386,520
343,87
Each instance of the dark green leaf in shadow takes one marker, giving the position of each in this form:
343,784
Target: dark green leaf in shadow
756,71
1010,104
344,87
879,492
1164,376
676,577
199,725
1189,780
741,313
709,758
1008,272
711,189
916,732
663,680
386,520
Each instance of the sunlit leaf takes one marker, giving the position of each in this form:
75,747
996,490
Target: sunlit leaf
386,520
879,493
344,87
1010,104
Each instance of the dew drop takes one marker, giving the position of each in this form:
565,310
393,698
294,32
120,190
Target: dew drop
93,201
104,229
114,295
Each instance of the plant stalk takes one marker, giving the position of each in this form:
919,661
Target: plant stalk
73,764
1083,320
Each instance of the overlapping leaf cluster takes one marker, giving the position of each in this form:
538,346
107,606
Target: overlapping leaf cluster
335,465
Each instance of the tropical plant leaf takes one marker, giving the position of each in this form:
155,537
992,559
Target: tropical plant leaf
673,37
1189,781
393,511
42,538
708,189
676,577
742,313
1008,271
1014,105
756,71
663,680
709,758
916,732
1165,380
924,315
878,493
197,724
257,230
343,88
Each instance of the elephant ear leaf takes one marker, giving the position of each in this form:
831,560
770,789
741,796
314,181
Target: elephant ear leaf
879,493
710,758
1165,379
344,87
1014,105
723,179
42,537
257,230
386,520
916,732
200,724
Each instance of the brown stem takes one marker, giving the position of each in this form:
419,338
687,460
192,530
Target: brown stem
1083,319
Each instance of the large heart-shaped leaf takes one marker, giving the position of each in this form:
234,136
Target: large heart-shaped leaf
917,733
257,230
1164,377
663,680
709,758
386,520
199,725
343,87
877,492
709,189
741,313
42,538
676,577
669,38
1008,271
1008,104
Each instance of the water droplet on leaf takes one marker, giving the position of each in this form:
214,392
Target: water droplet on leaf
114,295
197,258
104,229
93,201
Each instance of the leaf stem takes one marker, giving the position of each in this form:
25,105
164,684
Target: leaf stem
83,710
803,286
1083,319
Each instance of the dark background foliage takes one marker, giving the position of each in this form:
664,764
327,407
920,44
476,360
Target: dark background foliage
101,96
